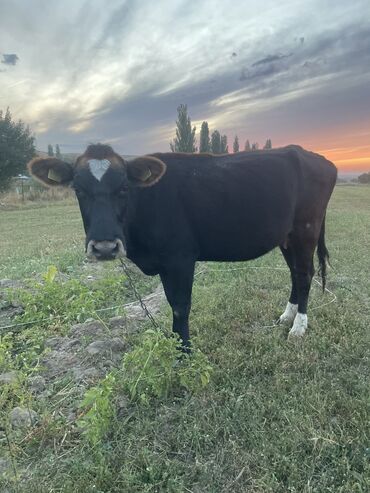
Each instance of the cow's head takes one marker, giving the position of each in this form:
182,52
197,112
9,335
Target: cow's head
102,181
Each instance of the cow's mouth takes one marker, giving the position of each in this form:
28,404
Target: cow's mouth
105,250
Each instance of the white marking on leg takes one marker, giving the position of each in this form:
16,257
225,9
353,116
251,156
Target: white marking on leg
299,325
98,167
289,313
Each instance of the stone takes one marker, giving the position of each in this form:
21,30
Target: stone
36,384
21,417
89,330
8,378
106,346
57,363
86,374
10,283
5,466
61,343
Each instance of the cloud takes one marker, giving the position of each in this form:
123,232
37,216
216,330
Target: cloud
270,58
93,71
10,59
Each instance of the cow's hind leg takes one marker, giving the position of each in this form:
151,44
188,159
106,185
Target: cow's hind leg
303,254
177,279
292,306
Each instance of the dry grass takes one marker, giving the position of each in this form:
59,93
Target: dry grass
34,197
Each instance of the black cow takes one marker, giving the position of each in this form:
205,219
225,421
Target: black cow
166,211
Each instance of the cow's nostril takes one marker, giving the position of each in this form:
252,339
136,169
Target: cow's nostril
105,250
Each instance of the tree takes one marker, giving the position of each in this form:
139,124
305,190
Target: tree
185,135
57,152
204,140
364,178
268,144
50,150
17,147
255,146
247,146
224,146
236,144
216,142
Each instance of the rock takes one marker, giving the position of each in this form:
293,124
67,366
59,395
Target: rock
9,283
36,384
5,466
8,378
121,325
58,362
153,302
54,342
23,418
89,330
61,343
87,374
106,346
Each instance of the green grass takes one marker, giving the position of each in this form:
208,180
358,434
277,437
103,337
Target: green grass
33,238
277,416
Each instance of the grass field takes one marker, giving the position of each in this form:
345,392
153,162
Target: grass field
277,416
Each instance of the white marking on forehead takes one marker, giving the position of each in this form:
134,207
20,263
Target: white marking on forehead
98,167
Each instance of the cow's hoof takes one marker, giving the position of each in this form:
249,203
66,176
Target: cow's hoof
289,314
299,325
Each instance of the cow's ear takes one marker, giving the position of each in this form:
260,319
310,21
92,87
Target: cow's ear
145,171
52,172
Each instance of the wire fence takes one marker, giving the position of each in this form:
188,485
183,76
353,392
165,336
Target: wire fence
149,315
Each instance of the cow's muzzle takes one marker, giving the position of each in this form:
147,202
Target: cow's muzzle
105,250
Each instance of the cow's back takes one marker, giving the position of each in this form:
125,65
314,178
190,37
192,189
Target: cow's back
228,207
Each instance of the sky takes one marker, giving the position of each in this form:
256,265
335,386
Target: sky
295,71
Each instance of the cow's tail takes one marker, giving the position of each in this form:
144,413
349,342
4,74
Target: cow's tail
323,255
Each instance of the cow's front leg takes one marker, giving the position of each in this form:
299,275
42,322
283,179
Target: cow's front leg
177,279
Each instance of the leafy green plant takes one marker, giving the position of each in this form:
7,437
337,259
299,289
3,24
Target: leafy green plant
99,409
6,345
155,368
196,373
57,302
50,274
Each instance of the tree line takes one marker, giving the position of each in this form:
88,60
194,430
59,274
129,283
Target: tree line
185,140
17,144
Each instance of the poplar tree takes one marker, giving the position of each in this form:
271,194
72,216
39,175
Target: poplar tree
224,146
185,134
247,146
57,152
236,144
216,142
204,140
268,144
50,150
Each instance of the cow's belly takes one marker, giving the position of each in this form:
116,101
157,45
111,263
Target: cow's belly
238,244
239,250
